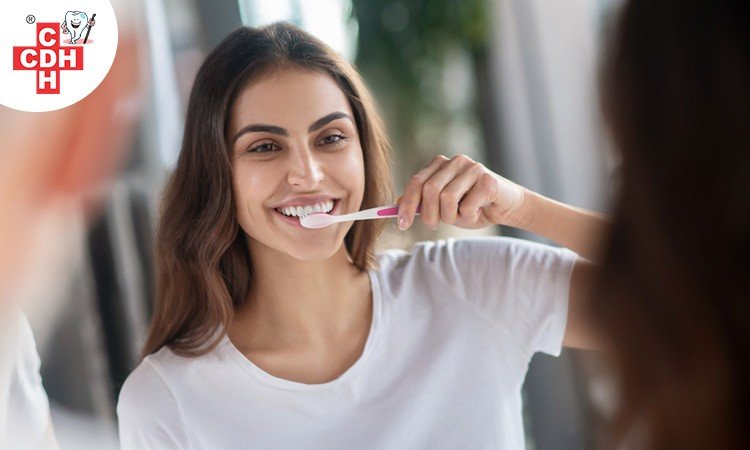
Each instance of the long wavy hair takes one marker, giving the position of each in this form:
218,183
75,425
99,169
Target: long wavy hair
202,261
673,297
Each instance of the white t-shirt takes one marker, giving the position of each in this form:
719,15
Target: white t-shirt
25,421
454,326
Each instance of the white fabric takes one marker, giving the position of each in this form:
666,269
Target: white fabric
455,324
25,421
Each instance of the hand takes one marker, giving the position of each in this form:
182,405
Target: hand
461,192
92,22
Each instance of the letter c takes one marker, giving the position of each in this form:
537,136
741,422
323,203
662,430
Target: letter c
25,61
44,41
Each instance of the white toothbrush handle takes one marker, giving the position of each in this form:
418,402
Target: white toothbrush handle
379,212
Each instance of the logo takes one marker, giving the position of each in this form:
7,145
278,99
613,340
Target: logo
54,53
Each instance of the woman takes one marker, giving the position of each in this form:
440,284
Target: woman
676,94
269,335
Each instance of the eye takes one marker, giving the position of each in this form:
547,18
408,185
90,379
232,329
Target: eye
266,147
332,139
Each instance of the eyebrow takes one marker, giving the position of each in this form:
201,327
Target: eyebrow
273,129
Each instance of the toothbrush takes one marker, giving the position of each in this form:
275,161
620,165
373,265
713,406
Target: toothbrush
320,220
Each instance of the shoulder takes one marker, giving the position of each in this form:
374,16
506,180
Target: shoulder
146,383
483,246
470,251
430,249
474,267
145,375
148,388
434,263
148,410
153,378
167,375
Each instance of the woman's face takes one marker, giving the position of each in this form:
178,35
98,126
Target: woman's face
294,143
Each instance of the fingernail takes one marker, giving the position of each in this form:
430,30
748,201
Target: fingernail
402,223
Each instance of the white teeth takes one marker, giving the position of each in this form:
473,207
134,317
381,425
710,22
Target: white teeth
302,211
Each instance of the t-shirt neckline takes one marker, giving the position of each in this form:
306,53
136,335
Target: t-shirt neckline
260,374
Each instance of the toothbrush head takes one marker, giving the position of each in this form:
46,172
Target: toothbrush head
316,220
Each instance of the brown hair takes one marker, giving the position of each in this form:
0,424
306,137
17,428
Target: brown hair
202,261
673,296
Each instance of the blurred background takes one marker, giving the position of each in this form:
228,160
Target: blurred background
510,83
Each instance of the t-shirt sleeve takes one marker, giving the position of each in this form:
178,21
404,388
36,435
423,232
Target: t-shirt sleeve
149,415
521,287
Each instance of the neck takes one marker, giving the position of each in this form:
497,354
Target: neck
301,304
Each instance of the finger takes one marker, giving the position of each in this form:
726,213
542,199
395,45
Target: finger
478,197
453,194
413,193
433,189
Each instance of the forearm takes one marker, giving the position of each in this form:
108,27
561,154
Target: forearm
578,229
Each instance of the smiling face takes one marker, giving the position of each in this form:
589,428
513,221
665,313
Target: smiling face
75,18
294,143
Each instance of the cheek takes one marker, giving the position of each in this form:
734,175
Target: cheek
252,186
352,168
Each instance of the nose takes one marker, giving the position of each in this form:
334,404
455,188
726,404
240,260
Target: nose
305,169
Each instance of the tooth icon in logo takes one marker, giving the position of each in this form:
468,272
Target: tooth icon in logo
75,24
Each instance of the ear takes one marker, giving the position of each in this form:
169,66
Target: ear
91,138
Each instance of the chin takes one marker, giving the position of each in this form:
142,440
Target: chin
313,252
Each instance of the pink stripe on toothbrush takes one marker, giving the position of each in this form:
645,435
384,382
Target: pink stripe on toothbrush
393,211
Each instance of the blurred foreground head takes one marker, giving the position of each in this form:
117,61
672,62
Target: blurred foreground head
674,296
54,169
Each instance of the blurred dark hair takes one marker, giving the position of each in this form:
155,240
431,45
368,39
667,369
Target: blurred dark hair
202,261
673,297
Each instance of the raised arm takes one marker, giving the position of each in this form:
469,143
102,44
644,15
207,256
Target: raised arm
464,193
577,229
